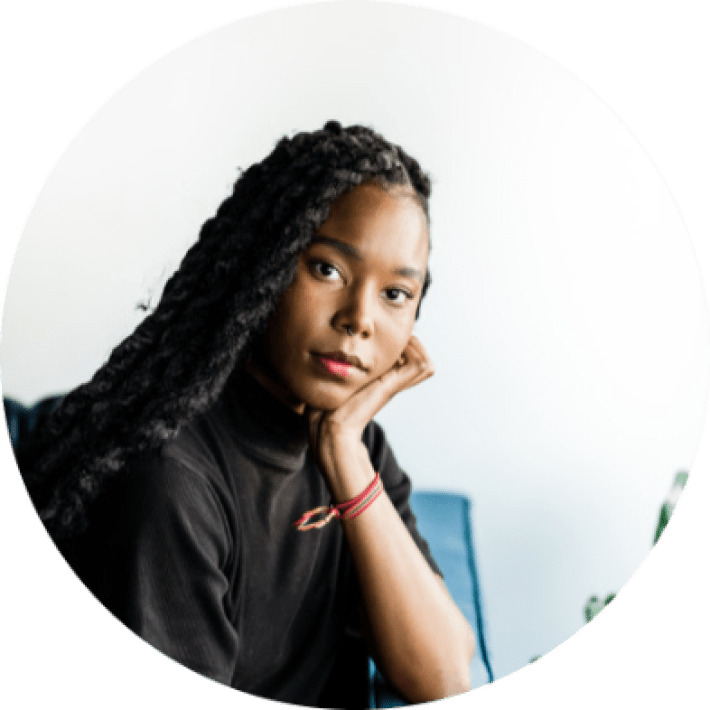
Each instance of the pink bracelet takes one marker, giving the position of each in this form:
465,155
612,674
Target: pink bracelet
348,509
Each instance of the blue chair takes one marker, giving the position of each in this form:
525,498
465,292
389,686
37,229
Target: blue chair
21,419
444,519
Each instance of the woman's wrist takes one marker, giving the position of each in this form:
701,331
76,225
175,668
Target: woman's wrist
348,470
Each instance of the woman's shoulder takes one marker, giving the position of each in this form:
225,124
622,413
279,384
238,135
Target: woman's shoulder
194,448
183,475
166,496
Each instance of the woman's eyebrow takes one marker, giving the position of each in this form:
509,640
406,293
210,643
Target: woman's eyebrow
407,272
346,249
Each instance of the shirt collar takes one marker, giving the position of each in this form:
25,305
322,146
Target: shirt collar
263,425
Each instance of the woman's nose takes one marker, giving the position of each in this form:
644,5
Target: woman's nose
356,314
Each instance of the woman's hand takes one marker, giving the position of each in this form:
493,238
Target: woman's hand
338,433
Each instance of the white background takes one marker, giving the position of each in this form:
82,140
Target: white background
568,319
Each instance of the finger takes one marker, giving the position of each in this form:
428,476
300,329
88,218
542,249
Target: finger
414,344
417,365
405,374
413,366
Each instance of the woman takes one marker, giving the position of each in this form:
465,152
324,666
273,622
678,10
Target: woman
218,483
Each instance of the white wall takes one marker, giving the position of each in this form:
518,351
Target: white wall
566,319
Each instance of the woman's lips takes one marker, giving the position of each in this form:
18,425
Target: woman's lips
336,367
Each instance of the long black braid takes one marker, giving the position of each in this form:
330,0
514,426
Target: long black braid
175,364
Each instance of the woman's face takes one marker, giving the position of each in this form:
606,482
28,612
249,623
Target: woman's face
355,297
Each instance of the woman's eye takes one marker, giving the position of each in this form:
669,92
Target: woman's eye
397,296
326,270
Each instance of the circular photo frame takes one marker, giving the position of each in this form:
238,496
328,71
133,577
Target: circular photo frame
527,157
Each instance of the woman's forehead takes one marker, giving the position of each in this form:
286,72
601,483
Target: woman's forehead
374,219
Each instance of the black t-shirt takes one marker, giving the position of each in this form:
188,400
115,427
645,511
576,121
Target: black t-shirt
194,550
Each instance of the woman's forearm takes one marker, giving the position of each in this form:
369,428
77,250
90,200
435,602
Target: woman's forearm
422,641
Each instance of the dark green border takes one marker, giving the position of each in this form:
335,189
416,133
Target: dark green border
648,59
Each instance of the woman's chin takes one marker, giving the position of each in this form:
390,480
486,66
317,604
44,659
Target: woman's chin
325,396
319,393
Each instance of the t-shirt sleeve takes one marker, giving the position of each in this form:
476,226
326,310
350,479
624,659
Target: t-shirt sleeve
397,485
164,567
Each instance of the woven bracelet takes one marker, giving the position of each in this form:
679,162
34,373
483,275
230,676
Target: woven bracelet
348,509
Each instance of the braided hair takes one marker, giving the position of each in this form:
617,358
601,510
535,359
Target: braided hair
175,364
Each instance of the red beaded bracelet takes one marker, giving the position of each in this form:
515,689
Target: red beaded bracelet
348,509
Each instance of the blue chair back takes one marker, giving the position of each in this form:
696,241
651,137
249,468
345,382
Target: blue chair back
21,419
